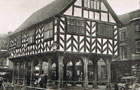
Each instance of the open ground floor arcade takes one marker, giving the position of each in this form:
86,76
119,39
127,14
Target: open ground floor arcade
61,69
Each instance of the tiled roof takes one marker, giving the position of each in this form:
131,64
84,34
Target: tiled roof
126,18
52,9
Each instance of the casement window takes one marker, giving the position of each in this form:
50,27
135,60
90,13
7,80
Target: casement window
137,46
75,26
123,35
18,41
95,4
105,30
137,27
31,38
123,52
48,31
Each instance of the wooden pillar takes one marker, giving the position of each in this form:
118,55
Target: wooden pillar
25,73
60,69
108,64
74,73
65,71
56,71
95,70
85,60
32,73
65,74
40,67
49,81
13,74
19,68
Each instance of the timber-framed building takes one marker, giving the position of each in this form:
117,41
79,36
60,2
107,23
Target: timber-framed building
66,40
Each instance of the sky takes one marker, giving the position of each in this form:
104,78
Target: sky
14,12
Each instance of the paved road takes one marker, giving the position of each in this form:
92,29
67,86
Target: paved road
80,88
72,88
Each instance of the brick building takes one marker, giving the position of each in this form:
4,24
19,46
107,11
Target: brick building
129,60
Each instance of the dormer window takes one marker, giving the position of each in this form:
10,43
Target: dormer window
75,26
18,41
48,31
31,38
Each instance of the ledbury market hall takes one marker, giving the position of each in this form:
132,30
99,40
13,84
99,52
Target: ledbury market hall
70,41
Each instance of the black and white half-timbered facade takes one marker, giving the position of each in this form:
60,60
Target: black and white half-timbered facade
65,40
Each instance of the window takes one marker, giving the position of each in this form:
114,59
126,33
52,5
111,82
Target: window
138,46
92,4
19,40
137,27
123,35
48,31
75,26
123,52
31,38
105,30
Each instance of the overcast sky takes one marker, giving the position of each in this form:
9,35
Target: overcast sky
14,12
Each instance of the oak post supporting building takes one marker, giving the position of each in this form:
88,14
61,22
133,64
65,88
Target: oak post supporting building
66,43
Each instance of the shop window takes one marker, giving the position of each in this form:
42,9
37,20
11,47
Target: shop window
105,30
137,27
31,38
48,31
18,41
75,26
123,35
138,46
123,52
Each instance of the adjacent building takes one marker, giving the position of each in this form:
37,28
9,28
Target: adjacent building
65,40
5,65
129,45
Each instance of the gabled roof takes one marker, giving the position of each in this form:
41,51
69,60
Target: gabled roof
53,9
50,10
130,16
124,18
